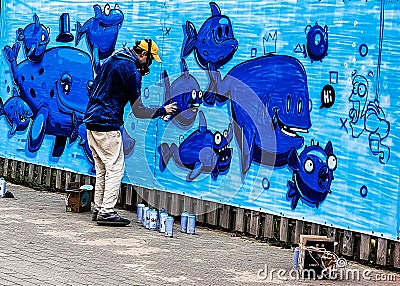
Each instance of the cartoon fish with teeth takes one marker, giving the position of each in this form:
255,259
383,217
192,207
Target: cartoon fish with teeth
185,91
101,32
17,112
201,152
312,174
35,38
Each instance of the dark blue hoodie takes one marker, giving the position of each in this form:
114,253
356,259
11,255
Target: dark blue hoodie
118,83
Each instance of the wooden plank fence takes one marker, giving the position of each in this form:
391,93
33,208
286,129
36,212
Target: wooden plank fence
367,248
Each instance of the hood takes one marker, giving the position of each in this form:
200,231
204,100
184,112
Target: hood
126,54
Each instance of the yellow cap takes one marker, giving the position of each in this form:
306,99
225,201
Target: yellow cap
144,44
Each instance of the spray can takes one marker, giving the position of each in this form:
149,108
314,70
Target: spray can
147,225
139,211
169,226
2,187
191,225
296,257
160,211
144,216
153,220
184,221
163,219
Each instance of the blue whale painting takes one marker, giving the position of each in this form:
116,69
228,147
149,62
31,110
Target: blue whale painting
312,174
201,152
270,108
56,91
101,32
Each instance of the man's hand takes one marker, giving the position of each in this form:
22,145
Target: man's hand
170,108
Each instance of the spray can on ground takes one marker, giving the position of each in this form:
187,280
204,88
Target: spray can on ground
160,211
144,216
169,226
148,218
296,257
163,219
153,223
3,185
191,225
184,221
139,211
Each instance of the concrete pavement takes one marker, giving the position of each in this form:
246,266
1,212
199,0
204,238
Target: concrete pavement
41,244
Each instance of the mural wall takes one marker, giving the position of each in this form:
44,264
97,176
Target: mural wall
287,107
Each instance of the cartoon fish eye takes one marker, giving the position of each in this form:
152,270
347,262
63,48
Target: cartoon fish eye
194,94
299,106
317,39
107,9
116,6
225,133
43,38
217,138
288,103
66,82
200,94
361,90
309,166
219,32
332,162
226,30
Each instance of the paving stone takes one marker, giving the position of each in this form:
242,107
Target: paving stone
43,245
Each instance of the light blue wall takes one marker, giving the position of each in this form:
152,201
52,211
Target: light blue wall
361,58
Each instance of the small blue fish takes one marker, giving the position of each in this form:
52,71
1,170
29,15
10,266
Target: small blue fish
185,92
17,112
317,42
201,152
35,38
312,174
101,32
214,45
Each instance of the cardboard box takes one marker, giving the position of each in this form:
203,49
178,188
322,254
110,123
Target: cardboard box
79,200
316,254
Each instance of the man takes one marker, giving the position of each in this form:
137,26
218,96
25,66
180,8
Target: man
118,82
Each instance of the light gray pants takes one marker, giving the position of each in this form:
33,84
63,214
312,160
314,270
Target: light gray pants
108,155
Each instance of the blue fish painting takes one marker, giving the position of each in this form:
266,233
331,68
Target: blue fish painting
213,46
317,42
270,108
186,93
17,112
201,152
101,32
34,38
312,174
56,91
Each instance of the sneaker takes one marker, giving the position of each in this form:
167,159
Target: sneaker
111,218
94,214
